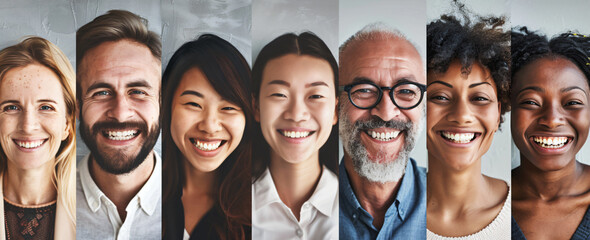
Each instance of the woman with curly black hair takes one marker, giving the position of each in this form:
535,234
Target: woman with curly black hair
468,81
550,121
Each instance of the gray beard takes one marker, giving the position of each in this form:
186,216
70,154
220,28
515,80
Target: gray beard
387,171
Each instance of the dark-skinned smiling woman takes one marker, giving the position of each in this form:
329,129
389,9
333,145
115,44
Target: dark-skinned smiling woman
550,121
468,82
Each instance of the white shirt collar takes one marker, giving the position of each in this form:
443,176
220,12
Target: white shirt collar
322,199
147,196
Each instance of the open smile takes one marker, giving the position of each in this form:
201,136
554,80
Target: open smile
295,133
207,145
459,137
30,144
383,136
120,135
551,142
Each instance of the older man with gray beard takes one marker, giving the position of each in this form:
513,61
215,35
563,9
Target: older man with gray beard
382,190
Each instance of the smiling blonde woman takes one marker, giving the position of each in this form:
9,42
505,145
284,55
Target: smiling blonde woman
37,154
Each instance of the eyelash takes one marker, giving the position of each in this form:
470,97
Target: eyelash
193,104
5,109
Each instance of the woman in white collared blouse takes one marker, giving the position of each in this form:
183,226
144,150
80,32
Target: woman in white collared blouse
295,188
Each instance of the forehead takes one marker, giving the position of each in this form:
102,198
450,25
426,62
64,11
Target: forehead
33,80
298,70
550,73
384,61
119,62
455,76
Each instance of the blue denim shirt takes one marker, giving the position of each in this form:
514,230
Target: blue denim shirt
405,218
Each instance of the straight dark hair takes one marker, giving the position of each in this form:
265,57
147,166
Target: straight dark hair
229,74
304,44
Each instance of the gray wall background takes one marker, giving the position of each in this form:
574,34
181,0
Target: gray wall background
496,162
552,18
409,17
272,18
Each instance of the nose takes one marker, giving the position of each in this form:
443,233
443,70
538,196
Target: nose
29,121
385,109
297,110
210,122
552,117
461,112
121,109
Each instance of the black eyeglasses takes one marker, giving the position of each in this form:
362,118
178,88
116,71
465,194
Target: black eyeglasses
366,95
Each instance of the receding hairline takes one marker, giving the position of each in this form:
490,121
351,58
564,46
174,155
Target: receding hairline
374,32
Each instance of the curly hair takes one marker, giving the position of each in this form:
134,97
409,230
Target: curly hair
528,46
484,41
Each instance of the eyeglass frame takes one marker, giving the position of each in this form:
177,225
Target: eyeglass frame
349,87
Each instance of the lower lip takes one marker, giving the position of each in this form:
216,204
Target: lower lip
119,142
204,153
459,145
551,151
379,141
30,149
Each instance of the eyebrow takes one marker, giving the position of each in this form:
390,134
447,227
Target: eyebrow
477,84
191,92
315,84
9,101
441,82
139,83
536,89
368,80
572,88
47,100
99,85
279,82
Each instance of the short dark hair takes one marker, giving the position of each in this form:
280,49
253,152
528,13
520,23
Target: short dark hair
229,74
307,44
483,41
528,46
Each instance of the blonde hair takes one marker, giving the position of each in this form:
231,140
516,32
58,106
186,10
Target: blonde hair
36,50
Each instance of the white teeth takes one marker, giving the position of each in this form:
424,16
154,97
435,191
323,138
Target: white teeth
383,136
30,144
207,146
459,137
550,142
295,134
121,135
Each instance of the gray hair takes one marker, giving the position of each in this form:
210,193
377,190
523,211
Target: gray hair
374,31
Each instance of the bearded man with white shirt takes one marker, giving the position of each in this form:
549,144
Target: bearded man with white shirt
119,184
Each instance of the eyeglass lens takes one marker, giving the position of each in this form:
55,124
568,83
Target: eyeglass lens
366,95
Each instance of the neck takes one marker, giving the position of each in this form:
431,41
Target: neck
374,197
549,185
295,183
121,188
29,186
455,190
197,182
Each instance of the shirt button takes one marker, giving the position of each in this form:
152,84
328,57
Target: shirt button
354,215
299,233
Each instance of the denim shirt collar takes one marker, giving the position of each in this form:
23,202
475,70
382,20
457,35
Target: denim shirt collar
403,199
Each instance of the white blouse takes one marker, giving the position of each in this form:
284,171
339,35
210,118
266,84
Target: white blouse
272,219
